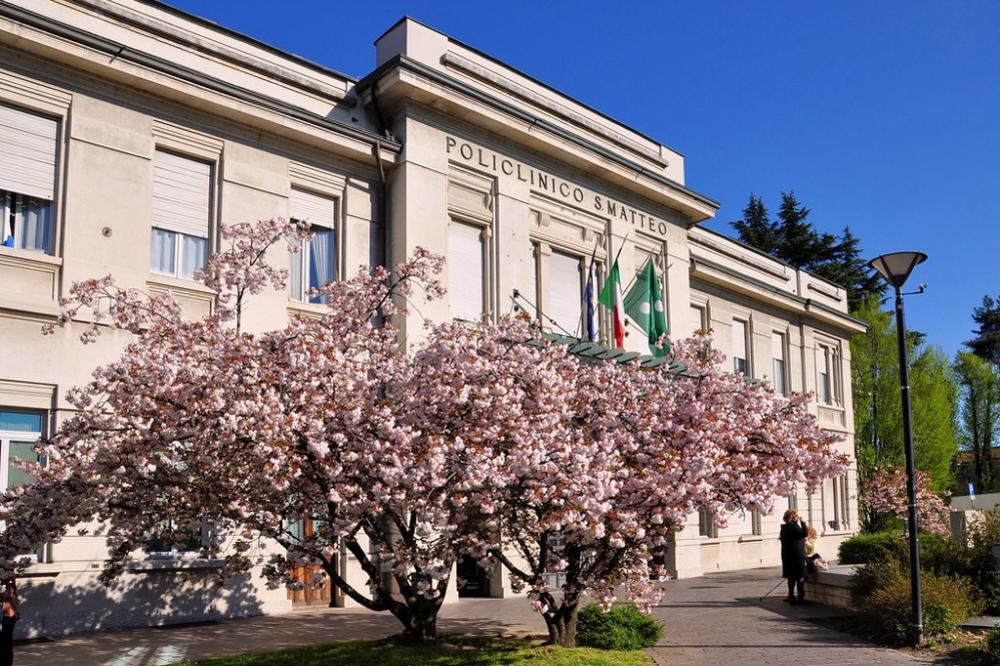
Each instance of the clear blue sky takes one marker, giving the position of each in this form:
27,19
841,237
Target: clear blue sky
882,116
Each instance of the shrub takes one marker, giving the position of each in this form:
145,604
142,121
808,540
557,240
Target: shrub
991,646
877,575
872,547
947,601
974,561
621,628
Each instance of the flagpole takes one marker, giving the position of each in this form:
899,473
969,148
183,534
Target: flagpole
583,325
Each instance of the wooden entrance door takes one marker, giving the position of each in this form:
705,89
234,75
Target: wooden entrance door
310,595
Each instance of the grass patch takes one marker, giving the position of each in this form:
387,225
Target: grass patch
450,651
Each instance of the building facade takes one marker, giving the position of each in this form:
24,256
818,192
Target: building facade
129,131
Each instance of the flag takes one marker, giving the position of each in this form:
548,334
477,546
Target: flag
644,304
7,234
611,298
588,301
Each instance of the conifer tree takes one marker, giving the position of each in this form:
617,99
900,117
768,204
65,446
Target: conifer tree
756,228
986,344
795,240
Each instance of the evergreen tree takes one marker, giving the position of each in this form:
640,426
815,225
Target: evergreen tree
846,266
799,243
756,228
986,344
794,240
979,419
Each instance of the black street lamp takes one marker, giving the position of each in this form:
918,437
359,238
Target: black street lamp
896,268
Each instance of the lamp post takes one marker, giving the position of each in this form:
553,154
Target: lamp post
896,268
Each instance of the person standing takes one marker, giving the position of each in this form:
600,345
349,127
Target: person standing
7,622
793,555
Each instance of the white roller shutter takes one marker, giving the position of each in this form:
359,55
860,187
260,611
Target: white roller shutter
563,293
182,193
465,271
312,208
27,153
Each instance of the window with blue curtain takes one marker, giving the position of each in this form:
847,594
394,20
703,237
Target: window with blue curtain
315,264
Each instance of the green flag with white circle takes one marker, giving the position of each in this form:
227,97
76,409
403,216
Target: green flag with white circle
644,305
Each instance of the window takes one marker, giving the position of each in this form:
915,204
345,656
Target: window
780,370
741,345
27,179
841,519
706,525
755,523
699,321
173,539
19,433
315,264
564,293
533,295
182,190
555,579
828,374
793,500
466,271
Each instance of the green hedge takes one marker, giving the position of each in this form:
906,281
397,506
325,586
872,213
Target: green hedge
621,628
872,547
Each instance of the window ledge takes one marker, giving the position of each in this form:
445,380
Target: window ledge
19,257
155,563
307,309
751,538
184,287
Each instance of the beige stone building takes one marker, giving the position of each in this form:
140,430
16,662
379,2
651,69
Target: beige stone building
129,131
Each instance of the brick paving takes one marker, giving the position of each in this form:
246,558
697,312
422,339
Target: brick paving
717,619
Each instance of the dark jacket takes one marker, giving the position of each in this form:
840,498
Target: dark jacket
793,550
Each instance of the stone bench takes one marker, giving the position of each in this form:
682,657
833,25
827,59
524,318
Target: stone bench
832,587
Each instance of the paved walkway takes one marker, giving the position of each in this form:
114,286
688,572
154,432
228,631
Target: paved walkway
717,619
720,619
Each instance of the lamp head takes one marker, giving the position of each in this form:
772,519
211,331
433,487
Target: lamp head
897,266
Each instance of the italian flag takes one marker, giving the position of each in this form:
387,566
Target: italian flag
611,298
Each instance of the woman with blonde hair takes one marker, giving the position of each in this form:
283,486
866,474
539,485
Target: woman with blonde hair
814,561
793,555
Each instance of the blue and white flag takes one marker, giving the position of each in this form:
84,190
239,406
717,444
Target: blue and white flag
590,308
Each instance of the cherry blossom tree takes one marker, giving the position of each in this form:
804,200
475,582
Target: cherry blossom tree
200,420
613,459
884,494
482,440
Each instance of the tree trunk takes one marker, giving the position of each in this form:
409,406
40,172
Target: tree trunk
419,621
562,622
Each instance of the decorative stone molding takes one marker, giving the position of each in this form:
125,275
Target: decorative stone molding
502,83
27,395
316,179
174,137
470,195
33,94
29,275
734,251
